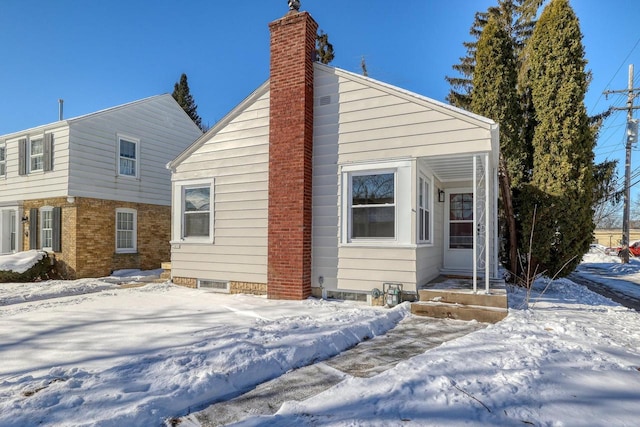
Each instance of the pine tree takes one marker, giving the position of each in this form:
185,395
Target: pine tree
562,182
495,96
516,17
183,96
324,49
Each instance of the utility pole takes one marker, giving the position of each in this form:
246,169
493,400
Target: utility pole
632,138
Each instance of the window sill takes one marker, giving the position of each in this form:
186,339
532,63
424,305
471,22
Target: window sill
378,244
124,252
192,241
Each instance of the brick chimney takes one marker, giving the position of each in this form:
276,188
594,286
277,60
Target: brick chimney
293,41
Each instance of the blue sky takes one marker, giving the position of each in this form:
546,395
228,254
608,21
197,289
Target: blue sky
98,54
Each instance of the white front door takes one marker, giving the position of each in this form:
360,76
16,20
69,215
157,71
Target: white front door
458,233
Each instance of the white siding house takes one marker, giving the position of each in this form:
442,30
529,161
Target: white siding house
88,167
402,188
361,127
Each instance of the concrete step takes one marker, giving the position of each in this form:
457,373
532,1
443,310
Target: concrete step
497,299
485,314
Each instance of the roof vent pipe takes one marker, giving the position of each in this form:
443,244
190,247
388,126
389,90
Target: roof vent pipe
60,103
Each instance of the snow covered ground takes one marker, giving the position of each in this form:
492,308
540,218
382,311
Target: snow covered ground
90,353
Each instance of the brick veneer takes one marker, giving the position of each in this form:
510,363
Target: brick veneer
293,39
88,236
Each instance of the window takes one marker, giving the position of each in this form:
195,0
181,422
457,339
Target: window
196,211
128,157
373,207
193,211
46,227
13,242
461,220
126,230
36,154
3,161
424,209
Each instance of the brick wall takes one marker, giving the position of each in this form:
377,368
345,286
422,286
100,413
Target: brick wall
65,260
247,288
88,236
293,40
189,282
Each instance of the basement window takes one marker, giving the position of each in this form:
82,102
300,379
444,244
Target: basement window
214,285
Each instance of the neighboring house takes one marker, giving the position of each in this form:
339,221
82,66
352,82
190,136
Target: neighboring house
327,182
94,190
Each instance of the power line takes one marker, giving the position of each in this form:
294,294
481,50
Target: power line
632,137
624,61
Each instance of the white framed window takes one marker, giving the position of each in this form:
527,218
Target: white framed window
193,205
376,208
425,200
128,156
36,154
46,227
13,231
126,230
3,160
372,205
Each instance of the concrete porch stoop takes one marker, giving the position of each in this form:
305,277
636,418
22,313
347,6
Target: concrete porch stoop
462,304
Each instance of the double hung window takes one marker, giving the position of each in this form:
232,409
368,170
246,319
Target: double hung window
128,153
126,230
46,227
36,154
373,205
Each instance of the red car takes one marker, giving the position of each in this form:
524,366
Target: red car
634,249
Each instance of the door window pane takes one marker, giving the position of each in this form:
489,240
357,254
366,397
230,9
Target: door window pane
461,221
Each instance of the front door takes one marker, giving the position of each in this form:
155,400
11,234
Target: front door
8,233
458,238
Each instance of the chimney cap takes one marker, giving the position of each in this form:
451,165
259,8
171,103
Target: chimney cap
294,5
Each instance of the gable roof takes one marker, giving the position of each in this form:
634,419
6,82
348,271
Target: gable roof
411,96
261,90
67,122
459,113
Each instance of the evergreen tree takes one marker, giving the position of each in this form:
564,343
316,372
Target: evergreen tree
516,17
324,48
183,96
562,182
495,96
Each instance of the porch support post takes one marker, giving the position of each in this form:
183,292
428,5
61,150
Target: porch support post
475,225
487,221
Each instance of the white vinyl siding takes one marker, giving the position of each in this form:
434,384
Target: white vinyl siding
237,155
363,268
162,131
88,165
126,230
379,122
